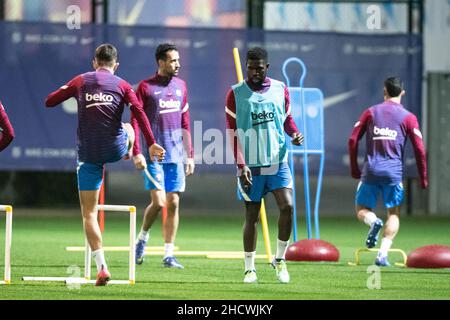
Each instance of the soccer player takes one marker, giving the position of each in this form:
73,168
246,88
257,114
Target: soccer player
102,137
164,97
257,115
6,129
387,126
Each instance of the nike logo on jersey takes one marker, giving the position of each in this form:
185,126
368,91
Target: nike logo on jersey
157,92
384,133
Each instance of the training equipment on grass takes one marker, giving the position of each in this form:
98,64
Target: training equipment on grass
431,256
375,250
307,112
312,250
88,254
8,238
262,212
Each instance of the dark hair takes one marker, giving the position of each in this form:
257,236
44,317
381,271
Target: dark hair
106,54
162,49
257,53
394,86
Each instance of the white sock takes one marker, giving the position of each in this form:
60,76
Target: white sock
144,235
99,257
385,246
370,218
168,248
249,259
281,249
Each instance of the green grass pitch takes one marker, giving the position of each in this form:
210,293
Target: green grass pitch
38,249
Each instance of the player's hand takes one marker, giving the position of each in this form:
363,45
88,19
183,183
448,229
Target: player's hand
156,151
190,166
297,139
139,162
424,184
356,174
246,177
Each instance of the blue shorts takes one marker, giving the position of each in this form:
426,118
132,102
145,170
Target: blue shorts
367,195
264,183
90,176
169,177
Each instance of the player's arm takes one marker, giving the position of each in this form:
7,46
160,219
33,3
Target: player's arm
413,131
137,111
358,131
187,140
138,158
230,112
289,124
67,91
7,132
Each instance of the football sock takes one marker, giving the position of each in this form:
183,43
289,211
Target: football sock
370,218
168,250
249,259
281,249
385,246
99,257
144,235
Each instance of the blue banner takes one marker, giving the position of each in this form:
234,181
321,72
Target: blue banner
38,58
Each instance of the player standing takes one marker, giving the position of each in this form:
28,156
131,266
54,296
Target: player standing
387,126
164,97
258,114
102,137
6,129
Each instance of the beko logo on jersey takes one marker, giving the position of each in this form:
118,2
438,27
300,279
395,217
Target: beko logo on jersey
384,133
168,106
262,117
99,97
169,103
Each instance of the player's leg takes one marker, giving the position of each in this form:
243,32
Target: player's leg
252,197
393,198
366,200
250,234
154,183
89,182
174,181
281,186
170,230
131,137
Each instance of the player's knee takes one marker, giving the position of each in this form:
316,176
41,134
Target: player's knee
172,205
286,208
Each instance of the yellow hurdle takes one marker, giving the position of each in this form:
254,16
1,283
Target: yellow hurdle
8,237
262,213
366,250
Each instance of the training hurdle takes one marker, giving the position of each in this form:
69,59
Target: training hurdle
367,250
8,238
88,254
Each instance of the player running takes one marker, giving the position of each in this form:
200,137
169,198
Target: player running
6,130
258,114
387,126
102,137
164,97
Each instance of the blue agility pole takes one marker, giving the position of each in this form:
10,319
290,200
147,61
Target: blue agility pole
307,111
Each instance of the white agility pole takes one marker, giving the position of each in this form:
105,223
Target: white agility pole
8,239
87,257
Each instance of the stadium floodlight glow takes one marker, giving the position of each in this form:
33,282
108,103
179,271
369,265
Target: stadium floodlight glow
8,239
87,256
